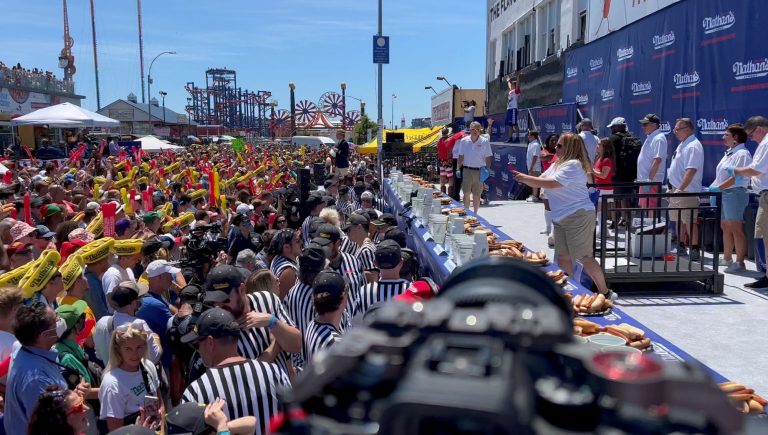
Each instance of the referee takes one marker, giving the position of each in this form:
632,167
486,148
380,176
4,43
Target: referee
329,297
315,204
260,315
248,386
329,238
358,244
389,261
299,300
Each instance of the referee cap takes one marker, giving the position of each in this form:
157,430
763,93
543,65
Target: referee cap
215,323
327,234
329,282
312,258
388,254
187,419
356,219
220,283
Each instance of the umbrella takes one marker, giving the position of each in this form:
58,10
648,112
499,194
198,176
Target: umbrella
151,144
65,115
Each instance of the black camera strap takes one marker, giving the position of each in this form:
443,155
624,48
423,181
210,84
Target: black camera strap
145,377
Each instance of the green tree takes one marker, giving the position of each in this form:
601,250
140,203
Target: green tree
360,133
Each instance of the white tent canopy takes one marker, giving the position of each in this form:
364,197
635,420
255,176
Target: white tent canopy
65,115
151,144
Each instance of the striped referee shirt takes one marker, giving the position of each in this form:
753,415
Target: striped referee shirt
249,388
345,207
280,263
375,292
348,246
366,252
352,271
254,341
299,306
305,229
318,336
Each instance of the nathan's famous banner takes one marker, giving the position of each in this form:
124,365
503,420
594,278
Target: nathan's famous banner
698,59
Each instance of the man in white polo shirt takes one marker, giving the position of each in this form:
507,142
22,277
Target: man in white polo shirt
474,154
685,173
590,140
757,130
652,160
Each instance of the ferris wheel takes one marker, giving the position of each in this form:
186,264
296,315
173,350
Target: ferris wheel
353,117
331,104
305,111
281,123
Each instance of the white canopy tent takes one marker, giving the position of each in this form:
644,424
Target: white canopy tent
152,144
66,115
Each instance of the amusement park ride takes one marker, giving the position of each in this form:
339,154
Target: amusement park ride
222,102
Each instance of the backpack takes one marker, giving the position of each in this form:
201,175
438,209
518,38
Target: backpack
626,157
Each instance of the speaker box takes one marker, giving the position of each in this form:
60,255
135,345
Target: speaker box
319,172
394,137
303,183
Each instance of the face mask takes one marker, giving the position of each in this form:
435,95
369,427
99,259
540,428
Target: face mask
61,327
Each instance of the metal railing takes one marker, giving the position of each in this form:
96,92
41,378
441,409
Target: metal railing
34,81
423,164
647,251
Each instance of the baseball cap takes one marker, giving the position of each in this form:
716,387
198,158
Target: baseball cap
366,195
122,225
221,281
187,419
44,232
330,182
216,322
327,234
92,206
71,313
651,118
151,216
617,121
190,293
396,234
388,254
385,219
356,219
313,201
50,210
329,282
159,267
127,292
312,258
420,290
244,209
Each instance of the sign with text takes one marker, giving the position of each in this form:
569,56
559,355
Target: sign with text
380,49
442,106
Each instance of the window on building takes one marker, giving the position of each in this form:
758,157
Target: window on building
582,26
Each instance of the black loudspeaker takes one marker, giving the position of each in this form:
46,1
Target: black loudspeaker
396,148
319,171
393,137
303,185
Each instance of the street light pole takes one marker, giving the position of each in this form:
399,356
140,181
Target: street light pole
445,80
430,87
162,95
149,89
392,115
380,120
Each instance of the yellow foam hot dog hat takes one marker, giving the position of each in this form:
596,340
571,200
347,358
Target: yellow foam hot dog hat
71,270
14,276
127,247
96,226
96,250
38,276
181,221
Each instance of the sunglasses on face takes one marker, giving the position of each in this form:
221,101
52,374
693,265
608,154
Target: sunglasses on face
79,407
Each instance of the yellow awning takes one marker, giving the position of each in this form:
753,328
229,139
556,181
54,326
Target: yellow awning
419,137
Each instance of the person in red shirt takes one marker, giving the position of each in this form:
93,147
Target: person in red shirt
603,170
445,160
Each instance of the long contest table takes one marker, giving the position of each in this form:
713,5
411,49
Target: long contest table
436,264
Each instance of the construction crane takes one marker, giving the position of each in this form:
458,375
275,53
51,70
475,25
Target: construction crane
66,59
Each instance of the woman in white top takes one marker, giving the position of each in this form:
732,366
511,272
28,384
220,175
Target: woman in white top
129,379
573,213
735,197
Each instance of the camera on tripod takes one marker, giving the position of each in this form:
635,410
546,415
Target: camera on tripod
494,353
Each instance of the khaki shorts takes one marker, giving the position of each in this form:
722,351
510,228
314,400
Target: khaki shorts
686,216
470,182
342,172
761,220
574,235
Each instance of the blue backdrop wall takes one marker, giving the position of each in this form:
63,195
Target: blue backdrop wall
702,59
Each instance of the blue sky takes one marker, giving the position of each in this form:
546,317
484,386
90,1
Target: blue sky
317,44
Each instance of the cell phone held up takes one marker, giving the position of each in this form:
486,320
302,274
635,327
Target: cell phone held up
152,407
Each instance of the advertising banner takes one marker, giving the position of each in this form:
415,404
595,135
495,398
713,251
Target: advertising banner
20,102
695,59
607,16
442,106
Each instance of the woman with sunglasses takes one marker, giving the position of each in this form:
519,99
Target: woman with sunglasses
59,412
130,383
573,213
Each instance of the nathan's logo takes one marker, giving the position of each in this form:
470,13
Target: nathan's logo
498,192
751,69
718,22
642,88
571,72
595,64
712,126
522,122
512,160
582,99
626,53
664,40
549,127
504,176
566,126
665,127
607,94
686,80
497,157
